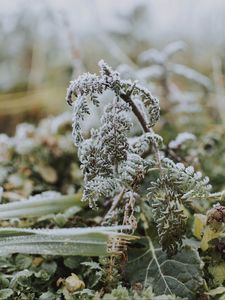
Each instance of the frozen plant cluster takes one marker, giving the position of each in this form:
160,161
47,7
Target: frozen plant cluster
115,166
109,162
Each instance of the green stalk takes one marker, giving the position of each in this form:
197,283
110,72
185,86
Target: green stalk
39,207
96,241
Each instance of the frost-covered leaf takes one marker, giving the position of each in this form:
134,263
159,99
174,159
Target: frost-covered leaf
23,261
5,294
217,291
97,241
190,74
92,265
118,294
72,262
180,275
47,296
22,278
40,205
174,47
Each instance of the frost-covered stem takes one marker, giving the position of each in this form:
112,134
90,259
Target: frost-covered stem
115,140
144,125
213,197
166,90
172,154
219,87
78,66
136,111
217,196
116,201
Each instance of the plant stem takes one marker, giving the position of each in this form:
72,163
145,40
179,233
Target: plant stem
144,125
218,196
136,111
116,201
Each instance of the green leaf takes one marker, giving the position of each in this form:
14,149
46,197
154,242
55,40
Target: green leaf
120,293
180,275
218,272
47,296
93,277
92,265
5,294
4,282
23,261
217,291
22,278
96,241
72,262
50,267
36,207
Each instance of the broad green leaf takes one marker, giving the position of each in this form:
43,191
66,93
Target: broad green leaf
96,241
180,275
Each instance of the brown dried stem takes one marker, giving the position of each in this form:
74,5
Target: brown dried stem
143,123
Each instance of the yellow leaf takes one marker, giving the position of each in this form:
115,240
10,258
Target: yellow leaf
209,234
199,224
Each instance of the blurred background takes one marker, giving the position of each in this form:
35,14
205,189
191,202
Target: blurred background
46,43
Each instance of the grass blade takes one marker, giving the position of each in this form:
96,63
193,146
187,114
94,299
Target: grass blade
39,207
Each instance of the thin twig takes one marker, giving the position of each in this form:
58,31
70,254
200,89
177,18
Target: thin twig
219,196
116,201
144,125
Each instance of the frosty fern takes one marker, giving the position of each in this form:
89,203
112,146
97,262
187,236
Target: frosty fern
114,165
